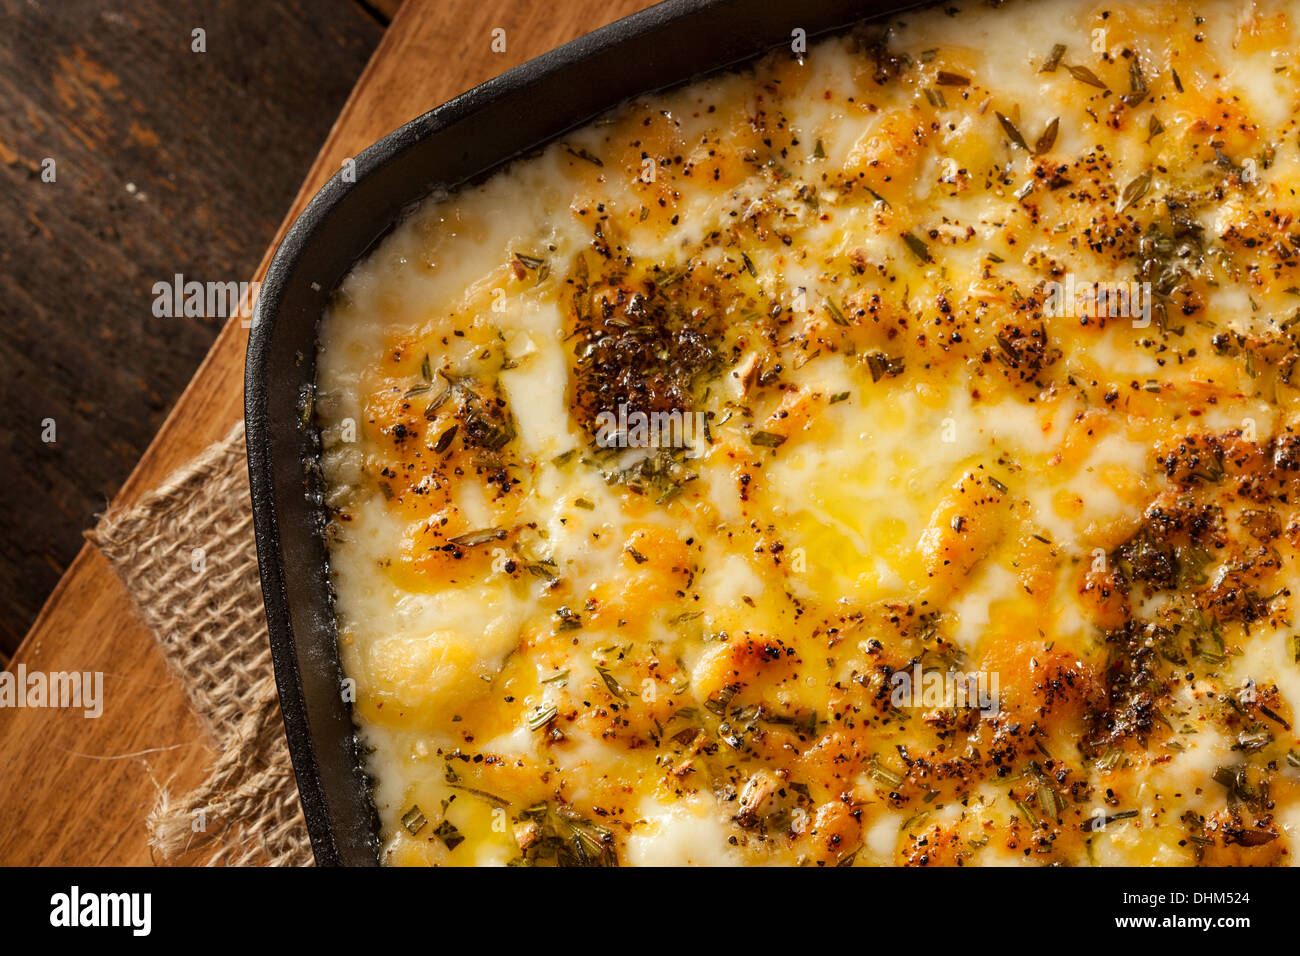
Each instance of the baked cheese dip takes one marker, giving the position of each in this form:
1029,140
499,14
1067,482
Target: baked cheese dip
885,454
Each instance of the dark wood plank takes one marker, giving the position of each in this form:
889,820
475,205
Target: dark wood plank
166,161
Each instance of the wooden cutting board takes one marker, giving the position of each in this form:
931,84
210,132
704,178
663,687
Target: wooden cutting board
75,790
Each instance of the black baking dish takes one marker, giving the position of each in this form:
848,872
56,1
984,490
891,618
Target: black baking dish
461,141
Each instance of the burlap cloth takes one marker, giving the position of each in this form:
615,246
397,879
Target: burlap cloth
186,554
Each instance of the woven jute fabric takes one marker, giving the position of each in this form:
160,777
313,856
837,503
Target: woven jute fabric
187,556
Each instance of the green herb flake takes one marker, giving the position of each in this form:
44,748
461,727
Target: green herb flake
837,315
444,440
541,717
882,365
583,154
1110,818
570,620
1049,801
919,248
1109,760
717,704
414,819
475,538
881,200
449,835
1026,812
1135,190
1085,75
1048,139
612,684
1053,59
882,774
431,412
1013,134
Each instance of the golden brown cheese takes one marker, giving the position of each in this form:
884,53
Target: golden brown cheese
754,476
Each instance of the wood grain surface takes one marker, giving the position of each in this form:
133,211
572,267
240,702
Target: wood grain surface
165,161
76,790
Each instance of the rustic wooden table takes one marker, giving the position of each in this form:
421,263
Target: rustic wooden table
76,790
127,157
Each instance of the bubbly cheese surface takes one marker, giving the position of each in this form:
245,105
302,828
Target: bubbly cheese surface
884,454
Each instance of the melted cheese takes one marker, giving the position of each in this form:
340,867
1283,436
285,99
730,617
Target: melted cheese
908,462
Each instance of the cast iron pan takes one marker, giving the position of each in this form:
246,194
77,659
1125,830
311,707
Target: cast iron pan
462,141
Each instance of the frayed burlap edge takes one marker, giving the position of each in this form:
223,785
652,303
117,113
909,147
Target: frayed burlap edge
186,554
